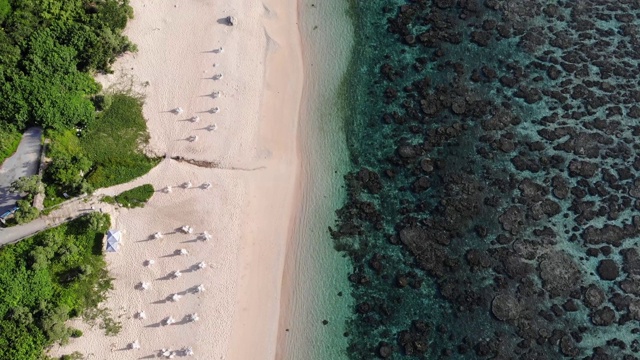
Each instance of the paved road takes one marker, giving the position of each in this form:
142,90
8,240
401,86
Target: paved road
23,163
68,210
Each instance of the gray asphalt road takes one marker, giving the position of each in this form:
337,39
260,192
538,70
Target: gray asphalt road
23,163
68,210
15,233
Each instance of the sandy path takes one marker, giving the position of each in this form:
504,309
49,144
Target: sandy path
249,208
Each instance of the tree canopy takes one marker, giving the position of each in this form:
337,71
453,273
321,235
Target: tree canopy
48,51
45,280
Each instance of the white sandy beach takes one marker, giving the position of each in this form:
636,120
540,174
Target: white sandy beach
255,185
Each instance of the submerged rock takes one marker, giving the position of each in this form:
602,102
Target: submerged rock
505,307
559,273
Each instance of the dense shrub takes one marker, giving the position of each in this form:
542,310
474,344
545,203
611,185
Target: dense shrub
135,197
45,280
112,142
9,140
49,51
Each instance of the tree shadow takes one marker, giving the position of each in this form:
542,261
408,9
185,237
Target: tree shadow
212,127
212,51
192,138
159,302
169,276
213,95
185,320
155,325
168,299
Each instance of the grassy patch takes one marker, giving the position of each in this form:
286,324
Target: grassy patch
112,142
135,197
9,141
47,279
108,199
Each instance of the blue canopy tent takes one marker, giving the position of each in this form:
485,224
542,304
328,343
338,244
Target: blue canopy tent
113,247
113,240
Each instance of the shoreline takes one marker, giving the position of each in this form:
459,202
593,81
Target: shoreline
250,209
286,288
313,313
243,346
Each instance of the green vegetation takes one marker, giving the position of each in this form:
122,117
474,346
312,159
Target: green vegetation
49,50
28,187
47,279
75,356
106,153
9,138
135,197
112,142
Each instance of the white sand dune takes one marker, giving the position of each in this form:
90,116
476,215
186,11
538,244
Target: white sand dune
254,188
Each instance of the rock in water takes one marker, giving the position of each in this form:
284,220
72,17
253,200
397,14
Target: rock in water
505,307
559,273
608,270
231,21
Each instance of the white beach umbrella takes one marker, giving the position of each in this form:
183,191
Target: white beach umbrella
141,315
175,297
144,285
218,50
187,184
195,119
206,185
205,236
186,229
157,235
200,288
218,76
167,189
168,321
193,317
178,110
183,252
134,345
193,138
149,262
187,351
215,94
214,110
202,265
176,274
212,127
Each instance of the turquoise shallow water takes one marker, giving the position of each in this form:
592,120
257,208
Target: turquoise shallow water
492,203
319,273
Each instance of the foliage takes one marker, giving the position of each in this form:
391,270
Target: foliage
45,280
5,8
48,49
112,142
135,197
76,355
9,140
26,212
29,185
106,152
